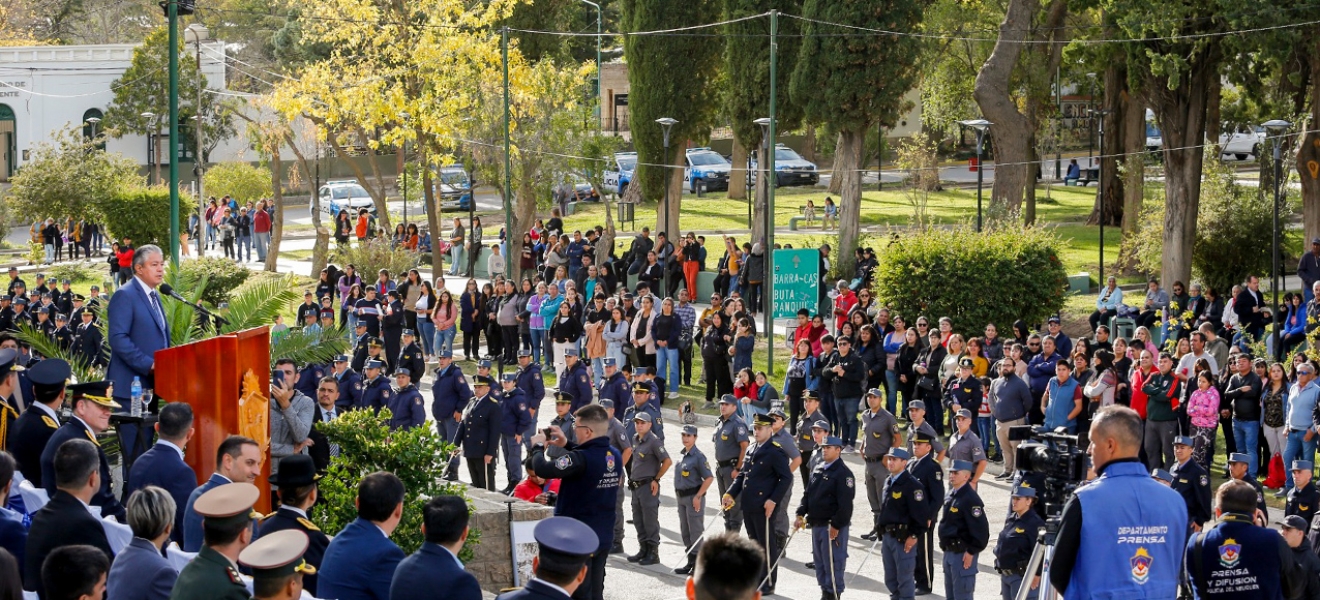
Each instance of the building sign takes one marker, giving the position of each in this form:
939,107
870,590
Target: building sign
796,282
11,89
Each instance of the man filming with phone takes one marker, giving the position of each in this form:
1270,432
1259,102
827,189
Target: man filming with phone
291,414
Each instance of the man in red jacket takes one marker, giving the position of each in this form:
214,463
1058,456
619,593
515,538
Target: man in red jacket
261,229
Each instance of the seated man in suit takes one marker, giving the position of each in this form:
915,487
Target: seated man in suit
75,572
238,459
141,571
360,562
138,327
297,485
65,520
13,532
91,415
27,439
163,466
435,566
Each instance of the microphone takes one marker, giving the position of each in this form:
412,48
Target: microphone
168,290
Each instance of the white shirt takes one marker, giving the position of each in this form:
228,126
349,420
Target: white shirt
148,290
302,513
46,409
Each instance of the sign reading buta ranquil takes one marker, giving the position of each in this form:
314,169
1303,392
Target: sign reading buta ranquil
796,281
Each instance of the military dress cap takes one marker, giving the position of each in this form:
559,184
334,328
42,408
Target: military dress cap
278,554
832,440
762,420
606,403
79,298
509,377
1162,475
49,373
874,392
96,288
375,342
1238,457
445,354
342,358
778,413
1024,492
964,413
1296,522
373,364
821,424
228,504
524,353
327,314
897,452
95,391
728,399
962,465
1297,465
690,430
966,362
642,417
9,362
480,380
570,352
609,362
921,437
409,332
20,300
295,470
811,395
561,397
916,405
641,388
483,363
1186,440
43,310
565,541
402,371
360,323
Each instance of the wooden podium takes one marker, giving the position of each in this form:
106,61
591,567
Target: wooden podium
226,379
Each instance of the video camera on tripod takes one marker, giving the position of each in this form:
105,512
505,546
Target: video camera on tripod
1056,463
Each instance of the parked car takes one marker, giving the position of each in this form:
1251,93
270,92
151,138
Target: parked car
455,188
1242,140
1154,139
576,189
790,168
706,167
344,195
620,172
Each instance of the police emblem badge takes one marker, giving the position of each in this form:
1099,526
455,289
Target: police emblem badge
1140,566
1230,552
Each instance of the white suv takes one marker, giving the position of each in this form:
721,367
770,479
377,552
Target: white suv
345,195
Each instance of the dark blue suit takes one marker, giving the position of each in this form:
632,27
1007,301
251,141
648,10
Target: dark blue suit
13,534
359,564
74,429
136,331
576,381
350,390
27,440
429,570
535,590
140,572
162,467
192,522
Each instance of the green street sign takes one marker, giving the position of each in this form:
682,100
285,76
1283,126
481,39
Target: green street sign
796,282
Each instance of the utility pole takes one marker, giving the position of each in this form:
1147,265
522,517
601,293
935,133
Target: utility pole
172,12
508,162
199,166
771,182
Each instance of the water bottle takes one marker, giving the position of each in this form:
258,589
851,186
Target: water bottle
136,408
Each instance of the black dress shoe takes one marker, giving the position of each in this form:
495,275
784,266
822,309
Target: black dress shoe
616,549
810,565
923,591
871,536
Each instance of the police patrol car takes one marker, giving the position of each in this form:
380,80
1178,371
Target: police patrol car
706,166
345,195
620,172
790,168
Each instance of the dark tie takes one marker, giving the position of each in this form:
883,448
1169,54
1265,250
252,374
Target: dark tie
334,448
160,313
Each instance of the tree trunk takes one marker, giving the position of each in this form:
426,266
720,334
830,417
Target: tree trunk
835,181
738,174
809,143
993,93
1214,125
377,191
276,224
606,241
433,217
667,213
1111,182
849,149
1308,156
1134,161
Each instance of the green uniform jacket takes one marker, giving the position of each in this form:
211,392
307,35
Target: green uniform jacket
210,576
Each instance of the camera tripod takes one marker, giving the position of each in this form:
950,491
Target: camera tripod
1042,556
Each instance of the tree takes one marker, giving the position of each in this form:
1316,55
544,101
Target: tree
69,177
850,83
241,181
144,88
668,76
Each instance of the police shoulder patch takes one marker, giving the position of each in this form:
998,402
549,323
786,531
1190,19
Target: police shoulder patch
917,494
976,511
358,386
385,393
308,524
742,430
1205,481
563,462
537,374
939,474
417,400
848,481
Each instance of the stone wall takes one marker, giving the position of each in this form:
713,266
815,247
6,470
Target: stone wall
492,562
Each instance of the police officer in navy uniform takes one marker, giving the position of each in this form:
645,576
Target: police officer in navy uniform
87,339
917,423
575,380
62,335
806,441
95,395
563,418
515,420
308,378
479,433
360,341
6,313
410,356
405,403
296,480
1191,482
1016,542
533,389
641,404
484,366
29,434
904,517
759,488
1302,499
931,476
614,386
349,382
450,394
376,387
1237,558
964,532
590,472
827,507
565,547
1237,469
376,351
731,442
618,437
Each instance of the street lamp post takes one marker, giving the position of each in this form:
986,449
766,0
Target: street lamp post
666,123
1100,129
153,141
93,122
406,119
1276,129
600,111
747,177
768,245
980,125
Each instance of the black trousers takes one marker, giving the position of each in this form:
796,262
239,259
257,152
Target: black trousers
509,335
471,343
718,380
685,364
754,518
483,474
593,588
925,572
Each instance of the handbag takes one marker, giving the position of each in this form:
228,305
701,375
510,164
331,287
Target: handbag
1276,477
685,339
926,383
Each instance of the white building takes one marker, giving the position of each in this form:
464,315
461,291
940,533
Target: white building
44,89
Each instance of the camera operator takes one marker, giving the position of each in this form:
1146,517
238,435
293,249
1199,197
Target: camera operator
1236,557
1135,528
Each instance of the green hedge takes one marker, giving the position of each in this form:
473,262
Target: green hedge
993,277
221,275
142,214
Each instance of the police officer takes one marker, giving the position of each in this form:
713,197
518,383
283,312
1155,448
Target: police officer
405,402
778,419
1017,540
1302,499
6,313
62,335
1237,558
928,472
1294,532
410,355
310,376
614,386
1191,482
361,339
450,394
563,418
964,532
483,368
1237,469
730,439
650,461
917,422
376,351
575,380
350,385
759,488
904,516
87,340
479,433
279,569
963,390
533,389
965,445
806,440
376,388
297,479
589,473
691,480
641,405
516,420
879,434
827,507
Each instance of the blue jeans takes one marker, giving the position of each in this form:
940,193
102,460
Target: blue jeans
427,327
244,243
1245,435
891,391
668,357
1297,449
845,410
538,339
444,340
985,427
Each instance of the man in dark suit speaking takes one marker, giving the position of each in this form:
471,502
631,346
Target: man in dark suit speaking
138,328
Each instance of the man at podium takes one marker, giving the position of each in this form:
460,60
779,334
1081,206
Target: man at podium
138,328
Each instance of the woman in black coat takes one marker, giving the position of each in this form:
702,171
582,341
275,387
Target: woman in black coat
929,389
907,359
872,352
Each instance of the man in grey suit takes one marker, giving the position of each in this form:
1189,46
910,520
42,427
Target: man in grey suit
140,571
